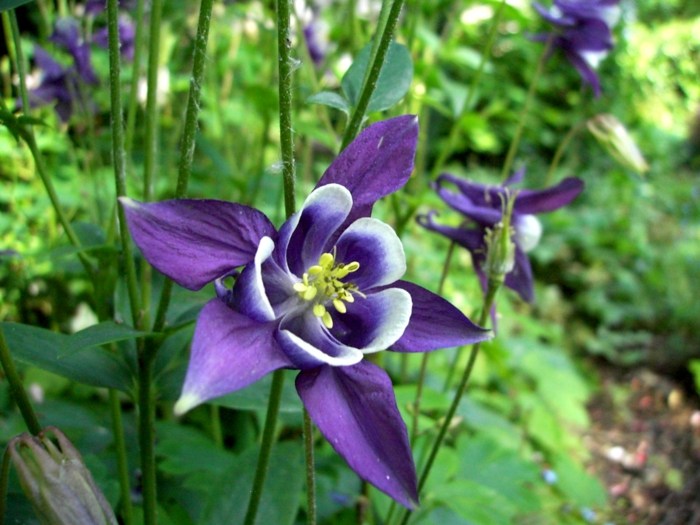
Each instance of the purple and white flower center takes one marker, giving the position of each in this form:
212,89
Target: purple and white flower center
324,284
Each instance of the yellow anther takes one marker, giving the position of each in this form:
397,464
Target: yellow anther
353,267
327,320
340,306
326,261
315,270
319,310
300,287
310,293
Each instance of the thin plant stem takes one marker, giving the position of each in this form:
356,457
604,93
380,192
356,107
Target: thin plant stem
122,463
268,438
16,388
187,145
513,148
286,70
493,286
449,148
119,158
135,72
20,64
370,83
215,421
146,427
310,475
559,153
4,482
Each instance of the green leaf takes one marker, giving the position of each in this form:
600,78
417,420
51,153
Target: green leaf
41,348
328,98
6,5
281,495
576,484
96,335
394,78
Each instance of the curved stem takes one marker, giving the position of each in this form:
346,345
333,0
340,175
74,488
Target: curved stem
493,287
559,153
512,150
4,481
370,83
16,388
310,476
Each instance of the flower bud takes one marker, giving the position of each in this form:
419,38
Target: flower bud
57,482
500,248
613,136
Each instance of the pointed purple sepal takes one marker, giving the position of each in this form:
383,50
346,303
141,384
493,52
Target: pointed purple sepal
355,409
549,199
378,162
196,241
229,351
435,323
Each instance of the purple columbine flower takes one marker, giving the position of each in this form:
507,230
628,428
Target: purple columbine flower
127,37
59,84
482,207
584,33
317,295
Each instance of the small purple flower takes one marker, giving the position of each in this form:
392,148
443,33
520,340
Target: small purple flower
318,296
482,207
127,37
584,33
63,85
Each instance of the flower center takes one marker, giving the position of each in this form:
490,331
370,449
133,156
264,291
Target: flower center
323,283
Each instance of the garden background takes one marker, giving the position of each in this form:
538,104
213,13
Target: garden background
583,408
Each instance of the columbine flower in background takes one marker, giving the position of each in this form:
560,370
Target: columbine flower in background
127,37
482,207
615,138
583,32
57,482
318,296
61,85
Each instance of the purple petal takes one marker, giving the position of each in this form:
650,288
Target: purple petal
520,277
249,296
229,351
471,238
195,241
539,201
355,409
378,162
48,66
436,323
378,250
304,237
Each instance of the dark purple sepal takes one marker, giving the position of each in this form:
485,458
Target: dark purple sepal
435,323
550,199
520,277
196,241
229,351
378,162
355,409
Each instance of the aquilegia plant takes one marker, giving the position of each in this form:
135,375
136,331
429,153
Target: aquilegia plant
482,206
583,32
317,295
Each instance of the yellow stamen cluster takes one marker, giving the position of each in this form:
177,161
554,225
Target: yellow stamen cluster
322,284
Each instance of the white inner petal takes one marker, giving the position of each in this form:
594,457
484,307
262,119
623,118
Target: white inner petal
528,232
265,249
349,356
399,305
593,58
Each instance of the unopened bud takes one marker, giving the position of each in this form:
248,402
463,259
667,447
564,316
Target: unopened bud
57,482
500,248
613,136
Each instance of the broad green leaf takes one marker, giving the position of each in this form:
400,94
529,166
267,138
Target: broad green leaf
6,5
328,98
578,486
228,497
394,78
41,348
96,335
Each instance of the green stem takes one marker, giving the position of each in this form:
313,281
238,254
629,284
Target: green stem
151,128
147,435
19,56
122,462
189,135
370,83
284,10
455,128
135,73
119,156
558,154
310,476
266,445
16,388
493,287
215,421
512,150
4,482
